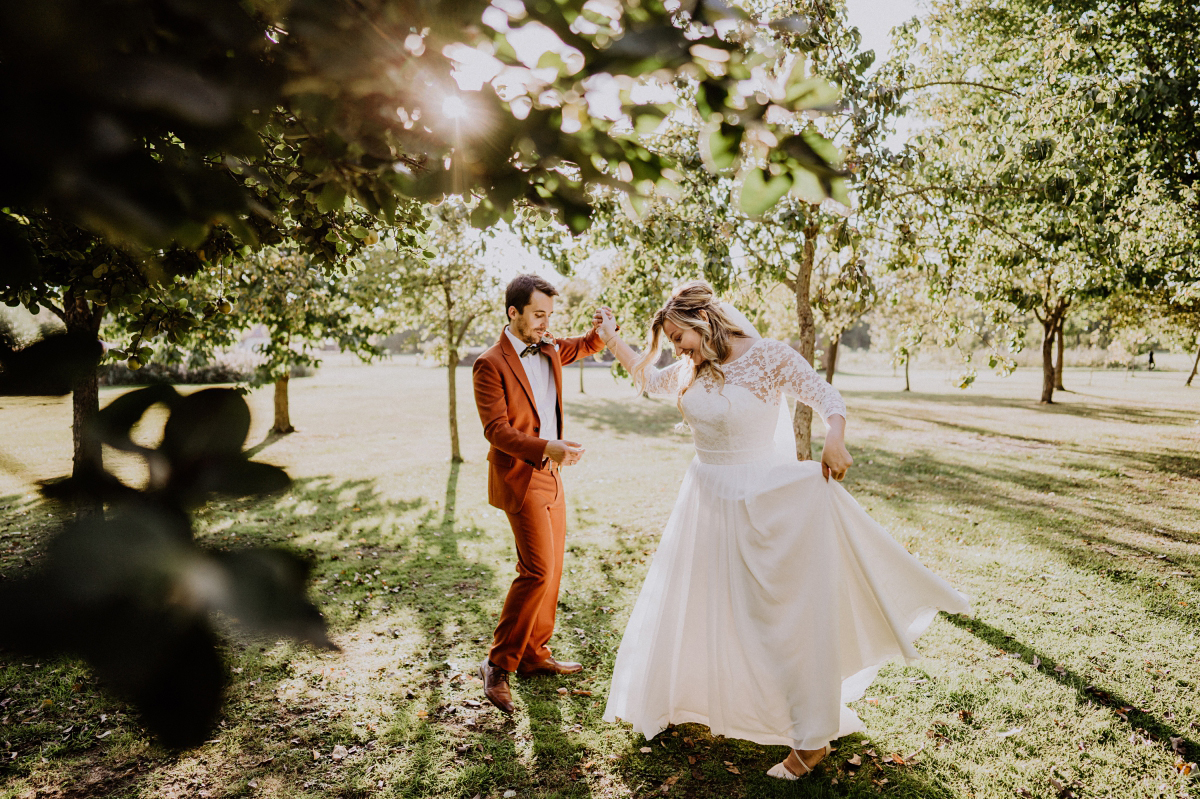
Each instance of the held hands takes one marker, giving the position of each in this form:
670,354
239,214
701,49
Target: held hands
564,453
605,323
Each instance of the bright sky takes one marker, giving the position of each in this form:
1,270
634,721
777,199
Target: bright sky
876,18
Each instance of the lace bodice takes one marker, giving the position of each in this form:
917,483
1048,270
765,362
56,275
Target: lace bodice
743,415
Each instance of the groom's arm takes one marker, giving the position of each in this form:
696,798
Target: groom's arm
572,349
493,412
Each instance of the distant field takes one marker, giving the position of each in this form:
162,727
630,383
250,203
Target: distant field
1074,527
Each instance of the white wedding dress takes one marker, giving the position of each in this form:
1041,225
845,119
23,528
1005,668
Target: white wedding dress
773,598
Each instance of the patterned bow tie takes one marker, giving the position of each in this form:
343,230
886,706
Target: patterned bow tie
532,349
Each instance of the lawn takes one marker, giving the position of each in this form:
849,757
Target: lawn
1075,528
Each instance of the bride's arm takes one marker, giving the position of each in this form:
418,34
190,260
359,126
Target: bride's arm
612,339
797,377
660,382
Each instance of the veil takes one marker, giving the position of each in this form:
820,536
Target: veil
785,434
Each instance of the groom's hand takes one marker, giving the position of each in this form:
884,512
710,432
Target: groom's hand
564,453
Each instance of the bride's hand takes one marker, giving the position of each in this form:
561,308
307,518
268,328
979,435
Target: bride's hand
605,323
835,458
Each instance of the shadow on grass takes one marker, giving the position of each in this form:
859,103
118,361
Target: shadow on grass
392,575
631,417
1085,692
270,438
1078,532
1108,411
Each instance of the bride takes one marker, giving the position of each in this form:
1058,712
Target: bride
773,598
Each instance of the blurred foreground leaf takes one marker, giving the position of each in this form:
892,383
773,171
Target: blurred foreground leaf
133,594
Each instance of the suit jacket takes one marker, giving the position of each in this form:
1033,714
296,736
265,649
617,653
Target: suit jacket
510,418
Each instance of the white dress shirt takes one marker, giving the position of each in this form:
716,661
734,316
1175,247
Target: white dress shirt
541,380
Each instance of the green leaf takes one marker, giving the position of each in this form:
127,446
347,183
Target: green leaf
759,192
720,145
839,190
807,186
552,60
331,198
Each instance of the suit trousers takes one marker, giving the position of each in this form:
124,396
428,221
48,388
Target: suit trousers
527,619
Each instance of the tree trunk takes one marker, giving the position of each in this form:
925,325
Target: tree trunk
1051,325
1048,326
802,421
581,391
831,354
283,418
1058,365
452,366
907,358
1195,366
87,454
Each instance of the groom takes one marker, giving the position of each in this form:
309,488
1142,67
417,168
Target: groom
518,388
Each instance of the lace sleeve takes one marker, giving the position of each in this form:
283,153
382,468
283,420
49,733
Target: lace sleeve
796,376
663,382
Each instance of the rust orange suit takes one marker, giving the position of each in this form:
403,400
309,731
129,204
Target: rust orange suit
527,487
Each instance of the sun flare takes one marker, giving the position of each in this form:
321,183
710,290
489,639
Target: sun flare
454,107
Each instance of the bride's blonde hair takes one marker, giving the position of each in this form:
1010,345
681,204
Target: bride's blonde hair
692,306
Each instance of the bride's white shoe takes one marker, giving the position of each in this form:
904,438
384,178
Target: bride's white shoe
793,767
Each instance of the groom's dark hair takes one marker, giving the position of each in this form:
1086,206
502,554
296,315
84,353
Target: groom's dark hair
520,291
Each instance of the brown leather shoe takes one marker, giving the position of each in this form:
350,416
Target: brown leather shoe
495,685
549,666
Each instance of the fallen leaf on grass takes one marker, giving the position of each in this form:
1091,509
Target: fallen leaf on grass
691,760
1059,670
732,769
339,752
1008,733
645,750
580,692
1184,768
562,691
855,761
1177,745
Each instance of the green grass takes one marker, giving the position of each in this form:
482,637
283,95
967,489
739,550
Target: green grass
1075,528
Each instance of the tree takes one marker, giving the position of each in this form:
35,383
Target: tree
446,291
1044,120
1006,193
578,303
301,308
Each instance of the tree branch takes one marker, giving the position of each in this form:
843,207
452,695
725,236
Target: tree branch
977,85
54,309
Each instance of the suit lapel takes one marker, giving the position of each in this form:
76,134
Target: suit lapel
514,364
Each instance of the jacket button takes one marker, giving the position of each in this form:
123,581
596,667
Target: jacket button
537,429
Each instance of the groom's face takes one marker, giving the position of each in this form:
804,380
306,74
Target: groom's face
533,322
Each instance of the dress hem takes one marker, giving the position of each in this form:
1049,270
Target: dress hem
921,621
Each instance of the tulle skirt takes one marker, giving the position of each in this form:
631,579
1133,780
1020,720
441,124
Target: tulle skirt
772,601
